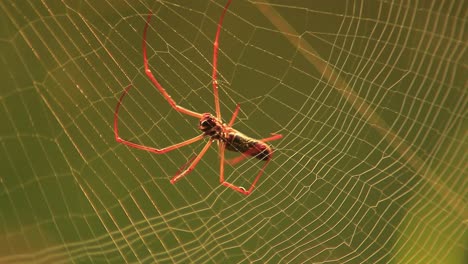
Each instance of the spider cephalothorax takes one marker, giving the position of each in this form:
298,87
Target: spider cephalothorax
211,126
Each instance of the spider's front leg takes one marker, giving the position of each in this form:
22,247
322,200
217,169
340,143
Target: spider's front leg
155,82
143,147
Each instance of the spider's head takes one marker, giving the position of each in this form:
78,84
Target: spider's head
210,125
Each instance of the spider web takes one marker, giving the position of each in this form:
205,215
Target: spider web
369,95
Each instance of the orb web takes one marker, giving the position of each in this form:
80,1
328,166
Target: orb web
369,95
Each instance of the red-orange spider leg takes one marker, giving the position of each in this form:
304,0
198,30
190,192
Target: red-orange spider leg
194,163
186,164
222,148
215,62
245,155
157,84
142,147
234,115
232,186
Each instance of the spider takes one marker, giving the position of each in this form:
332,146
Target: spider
212,127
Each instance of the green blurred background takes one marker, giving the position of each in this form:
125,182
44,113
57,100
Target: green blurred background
370,97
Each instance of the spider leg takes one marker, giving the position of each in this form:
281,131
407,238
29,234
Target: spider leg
240,189
245,155
142,147
194,163
258,176
215,61
157,84
222,148
241,157
234,115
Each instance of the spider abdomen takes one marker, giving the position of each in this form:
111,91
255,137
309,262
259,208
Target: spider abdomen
238,142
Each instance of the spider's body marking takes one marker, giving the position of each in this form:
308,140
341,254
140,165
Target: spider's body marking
238,142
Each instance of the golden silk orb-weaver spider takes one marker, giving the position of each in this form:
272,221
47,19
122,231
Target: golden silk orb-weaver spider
211,126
